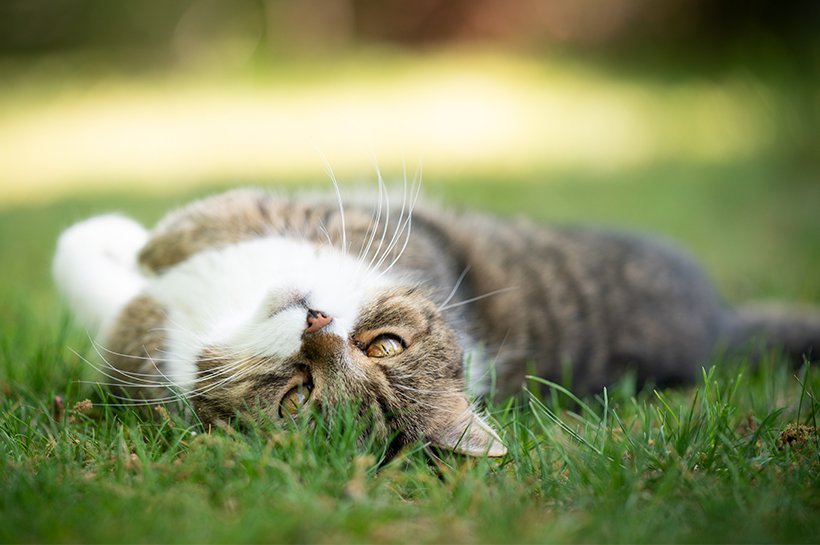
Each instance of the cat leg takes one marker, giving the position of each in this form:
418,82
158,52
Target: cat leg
210,223
95,269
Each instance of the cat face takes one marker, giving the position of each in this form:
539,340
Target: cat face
317,339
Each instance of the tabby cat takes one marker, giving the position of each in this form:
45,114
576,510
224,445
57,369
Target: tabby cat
253,301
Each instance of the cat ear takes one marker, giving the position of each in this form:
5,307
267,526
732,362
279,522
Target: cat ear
465,432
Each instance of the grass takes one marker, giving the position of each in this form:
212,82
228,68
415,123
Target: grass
719,155
734,458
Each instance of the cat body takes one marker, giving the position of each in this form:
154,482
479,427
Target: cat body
251,299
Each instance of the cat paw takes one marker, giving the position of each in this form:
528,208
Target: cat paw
112,237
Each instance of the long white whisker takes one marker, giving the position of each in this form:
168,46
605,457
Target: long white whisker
372,235
397,231
149,380
377,252
455,287
127,374
419,390
478,298
131,402
195,392
98,347
323,229
126,401
335,183
416,401
233,378
153,358
144,383
226,369
197,346
409,229
371,228
415,190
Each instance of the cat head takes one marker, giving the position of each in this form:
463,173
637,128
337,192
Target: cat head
320,339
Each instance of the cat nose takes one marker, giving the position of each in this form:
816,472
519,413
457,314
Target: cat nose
316,320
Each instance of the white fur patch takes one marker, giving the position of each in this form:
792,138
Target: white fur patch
95,268
251,298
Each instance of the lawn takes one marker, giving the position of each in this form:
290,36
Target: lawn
733,458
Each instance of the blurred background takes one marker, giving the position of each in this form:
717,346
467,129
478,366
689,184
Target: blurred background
693,118
169,93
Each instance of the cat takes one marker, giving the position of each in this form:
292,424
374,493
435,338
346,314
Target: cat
255,301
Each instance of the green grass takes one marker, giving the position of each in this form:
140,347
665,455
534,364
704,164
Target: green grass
709,463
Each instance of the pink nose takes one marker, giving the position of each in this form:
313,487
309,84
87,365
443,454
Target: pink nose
316,320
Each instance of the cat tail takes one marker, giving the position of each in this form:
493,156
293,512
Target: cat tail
758,327
95,269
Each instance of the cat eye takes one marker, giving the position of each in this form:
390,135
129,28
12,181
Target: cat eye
384,346
294,400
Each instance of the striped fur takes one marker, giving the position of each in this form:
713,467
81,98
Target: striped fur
482,302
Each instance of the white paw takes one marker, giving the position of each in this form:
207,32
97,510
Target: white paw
95,267
113,237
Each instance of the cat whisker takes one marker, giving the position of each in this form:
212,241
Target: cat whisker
232,378
455,287
415,190
323,230
149,380
383,204
97,347
133,374
109,365
377,253
399,223
123,384
441,391
501,346
477,298
411,400
142,384
166,382
329,171
227,369
149,357
409,228
127,402
370,235
177,392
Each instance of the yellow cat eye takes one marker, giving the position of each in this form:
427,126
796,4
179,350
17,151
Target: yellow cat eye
385,346
294,400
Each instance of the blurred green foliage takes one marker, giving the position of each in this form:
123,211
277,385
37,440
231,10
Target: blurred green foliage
30,26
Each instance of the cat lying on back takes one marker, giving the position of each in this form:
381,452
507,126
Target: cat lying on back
253,301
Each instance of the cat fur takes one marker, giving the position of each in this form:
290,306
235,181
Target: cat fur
211,303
